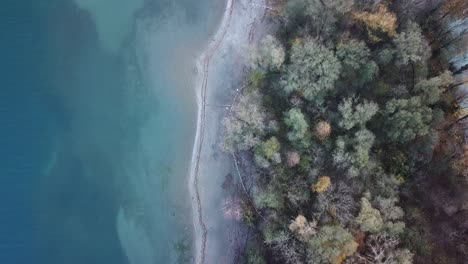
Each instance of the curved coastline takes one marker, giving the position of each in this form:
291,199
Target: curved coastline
235,35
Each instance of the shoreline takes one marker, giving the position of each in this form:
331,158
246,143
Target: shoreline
203,62
222,36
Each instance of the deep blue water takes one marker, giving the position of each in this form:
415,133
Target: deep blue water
28,123
97,120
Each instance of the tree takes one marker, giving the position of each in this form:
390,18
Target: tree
403,256
336,202
353,54
383,249
353,113
320,16
303,229
254,256
367,73
255,80
340,6
410,9
268,198
285,246
388,208
268,152
459,163
355,59
430,89
298,192
385,56
392,214
369,218
456,8
292,158
323,130
312,71
323,15
247,125
364,139
411,45
332,244
381,21
342,157
453,34
269,55
405,119
377,180
322,184
297,124
352,154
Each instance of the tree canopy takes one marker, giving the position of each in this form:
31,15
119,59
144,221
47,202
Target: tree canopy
411,45
354,113
351,135
296,122
313,69
407,119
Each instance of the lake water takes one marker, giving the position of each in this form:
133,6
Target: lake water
98,118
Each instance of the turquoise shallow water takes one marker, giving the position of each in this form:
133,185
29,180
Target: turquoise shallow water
98,117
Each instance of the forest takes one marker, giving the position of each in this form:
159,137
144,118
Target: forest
350,134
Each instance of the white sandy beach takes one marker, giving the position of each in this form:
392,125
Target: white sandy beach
220,72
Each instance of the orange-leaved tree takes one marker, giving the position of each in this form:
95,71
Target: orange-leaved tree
378,22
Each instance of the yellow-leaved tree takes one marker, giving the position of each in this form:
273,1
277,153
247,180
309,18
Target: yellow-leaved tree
378,22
